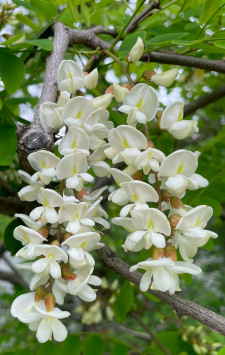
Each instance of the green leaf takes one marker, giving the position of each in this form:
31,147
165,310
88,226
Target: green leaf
72,345
93,344
11,244
45,44
86,14
222,351
12,39
151,297
8,144
218,35
219,44
129,42
123,302
209,8
186,5
45,8
27,21
205,200
72,6
119,349
209,245
0,103
47,349
167,37
187,278
12,72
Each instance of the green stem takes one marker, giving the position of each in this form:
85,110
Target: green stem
126,25
107,52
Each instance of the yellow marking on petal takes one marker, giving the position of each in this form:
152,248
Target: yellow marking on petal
51,255
83,244
43,165
70,75
180,117
198,222
74,144
135,197
125,144
139,104
74,171
26,238
45,202
180,169
79,114
150,224
149,154
49,319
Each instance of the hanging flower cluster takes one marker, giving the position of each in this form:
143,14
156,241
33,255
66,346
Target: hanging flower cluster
60,234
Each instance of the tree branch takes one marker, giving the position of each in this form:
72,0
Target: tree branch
180,305
146,13
204,100
11,205
7,188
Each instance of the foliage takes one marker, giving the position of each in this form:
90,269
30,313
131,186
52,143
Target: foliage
185,27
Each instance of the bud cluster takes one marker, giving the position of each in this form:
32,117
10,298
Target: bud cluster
60,233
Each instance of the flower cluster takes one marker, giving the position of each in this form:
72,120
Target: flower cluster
60,233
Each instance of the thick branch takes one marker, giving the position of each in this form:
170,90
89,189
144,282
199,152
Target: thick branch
7,187
11,205
204,100
146,13
180,305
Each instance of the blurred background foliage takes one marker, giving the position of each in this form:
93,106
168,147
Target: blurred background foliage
116,322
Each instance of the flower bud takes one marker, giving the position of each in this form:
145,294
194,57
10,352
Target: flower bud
157,253
56,242
40,293
159,114
102,101
147,75
67,235
170,252
138,176
176,203
91,79
44,231
136,52
165,79
49,302
166,195
109,90
66,273
80,194
174,220
151,144
119,92
127,86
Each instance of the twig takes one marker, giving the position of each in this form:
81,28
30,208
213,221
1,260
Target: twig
180,305
7,188
16,273
156,340
147,12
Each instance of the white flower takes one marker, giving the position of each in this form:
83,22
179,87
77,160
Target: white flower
151,225
35,225
141,104
50,323
172,120
70,76
91,80
100,167
125,142
73,168
75,214
190,234
102,101
44,163
49,200
136,51
22,308
80,286
97,127
177,172
149,160
75,140
76,111
81,244
119,92
29,192
50,117
165,79
164,273
63,99
29,239
134,191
